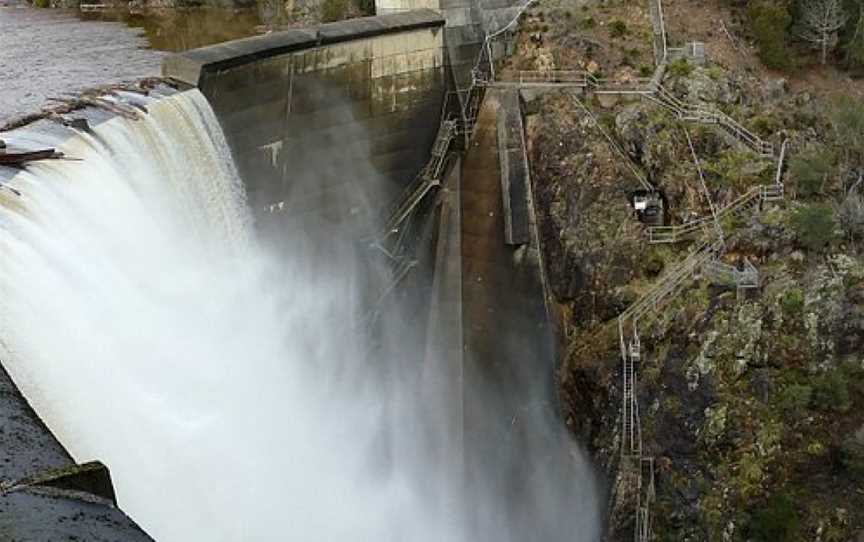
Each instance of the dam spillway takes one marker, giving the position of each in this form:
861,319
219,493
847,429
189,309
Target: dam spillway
213,353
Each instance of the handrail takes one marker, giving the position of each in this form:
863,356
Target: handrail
627,160
698,113
763,192
424,181
670,281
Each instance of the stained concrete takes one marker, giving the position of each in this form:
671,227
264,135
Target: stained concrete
44,495
49,515
348,102
514,169
509,354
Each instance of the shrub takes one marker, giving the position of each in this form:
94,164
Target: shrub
795,399
811,171
733,170
617,29
715,73
847,116
776,521
813,226
830,392
588,22
793,301
646,71
852,455
333,10
851,215
679,68
769,22
765,125
653,264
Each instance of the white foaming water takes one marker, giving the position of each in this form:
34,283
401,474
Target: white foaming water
220,383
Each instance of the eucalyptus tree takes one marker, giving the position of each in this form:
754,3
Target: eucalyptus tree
821,20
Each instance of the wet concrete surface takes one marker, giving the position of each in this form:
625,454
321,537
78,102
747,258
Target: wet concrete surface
38,515
26,446
47,53
44,514
510,419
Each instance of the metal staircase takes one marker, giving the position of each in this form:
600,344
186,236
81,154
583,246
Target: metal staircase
747,202
704,257
566,79
701,115
645,498
722,273
428,178
635,464
655,8
631,439
668,286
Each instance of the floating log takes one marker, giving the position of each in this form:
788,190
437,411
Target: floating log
120,109
19,157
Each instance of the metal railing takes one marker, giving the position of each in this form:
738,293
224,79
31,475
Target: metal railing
428,178
723,273
646,492
699,114
692,229
659,30
565,79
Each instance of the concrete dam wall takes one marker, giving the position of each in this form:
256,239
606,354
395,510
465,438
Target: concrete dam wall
308,115
362,91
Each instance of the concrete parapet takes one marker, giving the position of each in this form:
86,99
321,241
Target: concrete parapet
309,110
190,67
514,169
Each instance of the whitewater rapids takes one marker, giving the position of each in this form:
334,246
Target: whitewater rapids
226,386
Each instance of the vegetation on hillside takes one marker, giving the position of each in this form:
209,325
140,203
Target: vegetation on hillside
752,404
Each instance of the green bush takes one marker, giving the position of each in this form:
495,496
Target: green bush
847,116
646,71
830,392
811,171
733,170
769,22
617,29
653,264
813,226
679,68
795,399
852,455
776,521
588,22
334,10
793,301
850,214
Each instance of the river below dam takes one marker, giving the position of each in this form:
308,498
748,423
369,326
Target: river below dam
53,53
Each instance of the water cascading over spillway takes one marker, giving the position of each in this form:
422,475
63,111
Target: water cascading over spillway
228,386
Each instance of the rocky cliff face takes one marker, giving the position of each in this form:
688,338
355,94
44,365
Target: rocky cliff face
751,401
